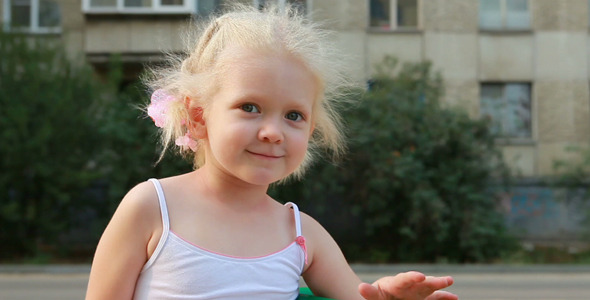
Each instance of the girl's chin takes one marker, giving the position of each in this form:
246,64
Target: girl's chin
263,179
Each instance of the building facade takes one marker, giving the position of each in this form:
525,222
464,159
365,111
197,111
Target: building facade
523,63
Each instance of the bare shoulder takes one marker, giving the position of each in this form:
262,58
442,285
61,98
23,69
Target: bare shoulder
311,227
139,211
125,245
142,192
316,236
141,200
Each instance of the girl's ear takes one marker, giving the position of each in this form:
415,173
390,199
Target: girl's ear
196,121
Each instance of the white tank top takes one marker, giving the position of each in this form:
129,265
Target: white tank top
180,270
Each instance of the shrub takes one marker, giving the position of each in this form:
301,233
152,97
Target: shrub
415,184
72,146
48,125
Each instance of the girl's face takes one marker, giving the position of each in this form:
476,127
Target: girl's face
259,122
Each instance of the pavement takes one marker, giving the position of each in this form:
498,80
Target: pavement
479,282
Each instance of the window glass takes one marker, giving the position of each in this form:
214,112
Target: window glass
518,112
517,14
407,13
173,2
137,3
49,15
490,14
206,7
20,13
380,13
508,106
103,3
492,105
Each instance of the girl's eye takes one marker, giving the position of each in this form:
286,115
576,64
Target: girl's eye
294,116
250,108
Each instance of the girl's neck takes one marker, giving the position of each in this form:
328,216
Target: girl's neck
226,189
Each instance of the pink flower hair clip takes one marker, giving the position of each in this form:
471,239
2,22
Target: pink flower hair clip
157,110
159,103
187,141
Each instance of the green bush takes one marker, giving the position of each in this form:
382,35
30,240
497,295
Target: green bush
415,186
72,146
130,144
48,125
573,174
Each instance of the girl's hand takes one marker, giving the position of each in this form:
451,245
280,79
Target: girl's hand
408,286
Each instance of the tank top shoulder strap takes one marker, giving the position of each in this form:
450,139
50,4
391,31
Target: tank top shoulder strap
163,206
165,222
300,239
297,217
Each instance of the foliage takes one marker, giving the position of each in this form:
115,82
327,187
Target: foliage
72,145
131,143
573,177
47,150
412,189
574,172
415,185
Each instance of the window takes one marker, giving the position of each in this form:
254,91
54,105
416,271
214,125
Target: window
504,15
34,16
394,14
150,6
508,106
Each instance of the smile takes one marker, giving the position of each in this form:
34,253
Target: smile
264,155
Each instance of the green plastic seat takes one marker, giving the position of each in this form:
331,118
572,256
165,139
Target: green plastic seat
305,293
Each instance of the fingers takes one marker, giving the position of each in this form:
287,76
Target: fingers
368,291
391,284
442,295
410,285
438,283
406,279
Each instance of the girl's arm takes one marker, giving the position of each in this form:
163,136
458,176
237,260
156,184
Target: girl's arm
329,275
122,250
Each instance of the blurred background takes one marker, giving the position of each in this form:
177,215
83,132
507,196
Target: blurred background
468,144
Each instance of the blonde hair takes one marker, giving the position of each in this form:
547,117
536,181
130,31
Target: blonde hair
192,75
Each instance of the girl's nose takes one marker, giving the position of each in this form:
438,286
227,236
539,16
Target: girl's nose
271,132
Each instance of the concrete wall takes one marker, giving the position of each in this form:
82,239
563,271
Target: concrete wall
561,78
73,29
546,216
133,35
2,12
552,56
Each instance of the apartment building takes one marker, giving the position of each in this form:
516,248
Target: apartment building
523,63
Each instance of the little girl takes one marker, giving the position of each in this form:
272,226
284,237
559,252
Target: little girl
247,103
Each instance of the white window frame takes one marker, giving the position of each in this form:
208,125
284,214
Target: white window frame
34,16
504,16
393,21
189,7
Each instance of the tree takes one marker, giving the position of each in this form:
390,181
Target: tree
416,184
72,146
49,107
572,176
